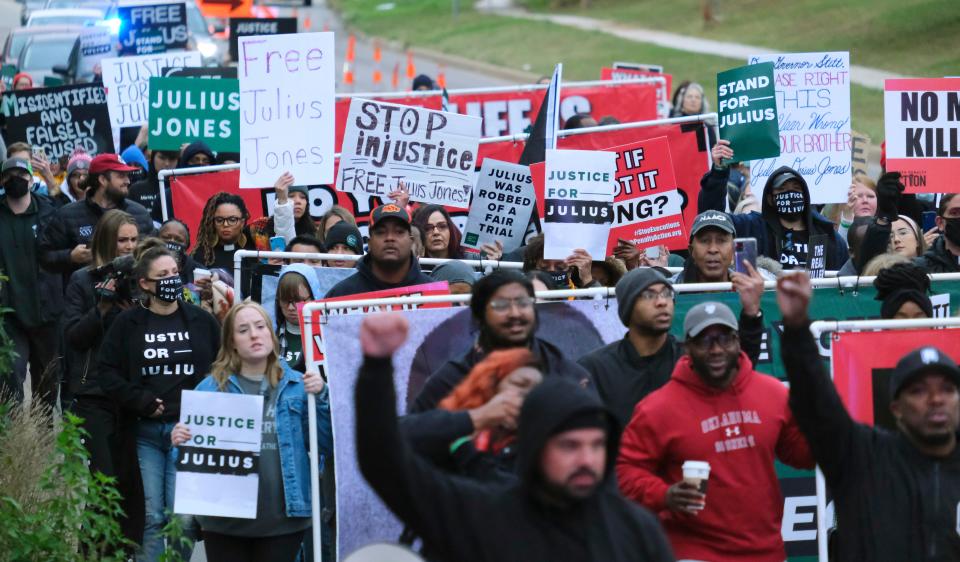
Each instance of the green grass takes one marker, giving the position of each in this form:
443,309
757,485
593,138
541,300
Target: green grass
538,46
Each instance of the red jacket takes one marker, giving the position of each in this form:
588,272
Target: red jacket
739,430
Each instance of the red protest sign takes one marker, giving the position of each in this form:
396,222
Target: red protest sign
316,316
922,135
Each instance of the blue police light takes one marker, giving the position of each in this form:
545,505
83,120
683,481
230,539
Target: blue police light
114,24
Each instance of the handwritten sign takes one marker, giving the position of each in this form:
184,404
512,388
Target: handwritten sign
647,207
578,187
859,152
922,122
748,111
286,108
196,109
813,109
433,153
501,205
152,28
244,27
218,469
127,82
60,119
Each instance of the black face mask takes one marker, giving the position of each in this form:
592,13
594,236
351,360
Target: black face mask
952,230
561,279
789,203
169,289
16,187
178,250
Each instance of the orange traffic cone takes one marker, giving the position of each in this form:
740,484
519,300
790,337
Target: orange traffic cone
411,68
377,57
442,78
395,78
307,23
348,61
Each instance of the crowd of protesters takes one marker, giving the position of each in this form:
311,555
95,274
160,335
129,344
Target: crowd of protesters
513,449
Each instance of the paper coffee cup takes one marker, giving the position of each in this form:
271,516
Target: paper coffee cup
697,473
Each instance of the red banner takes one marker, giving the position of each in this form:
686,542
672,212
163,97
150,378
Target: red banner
663,94
863,361
191,192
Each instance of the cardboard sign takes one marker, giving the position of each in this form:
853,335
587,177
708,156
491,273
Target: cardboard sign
748,111
433,153
663,94
922,123
578,202
218,469
317,317
647,207
244,27
60,119
859,153
813,105
127,82
287,111
501,206
152,28
195,109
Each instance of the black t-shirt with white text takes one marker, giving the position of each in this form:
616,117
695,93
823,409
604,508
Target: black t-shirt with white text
168,365
794,249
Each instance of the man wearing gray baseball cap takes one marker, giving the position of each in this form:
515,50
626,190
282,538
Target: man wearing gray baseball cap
716,409
711,254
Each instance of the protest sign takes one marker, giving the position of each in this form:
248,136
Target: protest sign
195,109
433,153
96,44
859,153
214,72
922,123
663,94
813,107
218,469
318,317
60,119
816,256
501,206
127,83
243,27
7,72
646,203
287,110
578,201
147,28
748,111
343,110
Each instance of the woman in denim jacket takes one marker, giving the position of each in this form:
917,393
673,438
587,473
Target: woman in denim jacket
249,363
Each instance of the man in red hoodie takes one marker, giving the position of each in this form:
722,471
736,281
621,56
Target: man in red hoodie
717,409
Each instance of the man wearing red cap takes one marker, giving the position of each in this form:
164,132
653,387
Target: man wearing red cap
64,240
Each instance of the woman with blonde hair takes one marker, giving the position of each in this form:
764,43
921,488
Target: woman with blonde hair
249,363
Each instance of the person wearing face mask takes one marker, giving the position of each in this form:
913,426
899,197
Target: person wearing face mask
64,242
944,254
74,185
787,221
575,272
35,296
150,354
146,190
177,236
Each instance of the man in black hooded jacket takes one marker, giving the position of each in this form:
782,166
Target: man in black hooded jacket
897,494
147,191
559,508
787,222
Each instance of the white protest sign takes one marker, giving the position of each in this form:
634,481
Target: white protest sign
432,152
286,108
813,107
127,82
578,202
941,305
218,469
501,205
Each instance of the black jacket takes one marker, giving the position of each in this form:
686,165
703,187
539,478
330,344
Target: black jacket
364,281
24,259
892,503
73,224
146,192
83,329
464,520
938,258
441,383
121,354
624,378
765,226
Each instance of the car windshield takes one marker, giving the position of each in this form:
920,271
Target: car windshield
196,22
44,55
16,45
62,20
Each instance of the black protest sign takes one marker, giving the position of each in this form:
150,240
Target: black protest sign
200,72
218,461
817,256
240,27
152,28
60,119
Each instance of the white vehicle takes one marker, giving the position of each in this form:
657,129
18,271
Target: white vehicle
64,17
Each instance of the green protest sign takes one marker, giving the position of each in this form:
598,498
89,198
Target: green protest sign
184,110
7,72
748,111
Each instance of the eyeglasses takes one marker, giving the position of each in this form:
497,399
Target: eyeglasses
652,294
503,305
725,339
230,221
439,227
